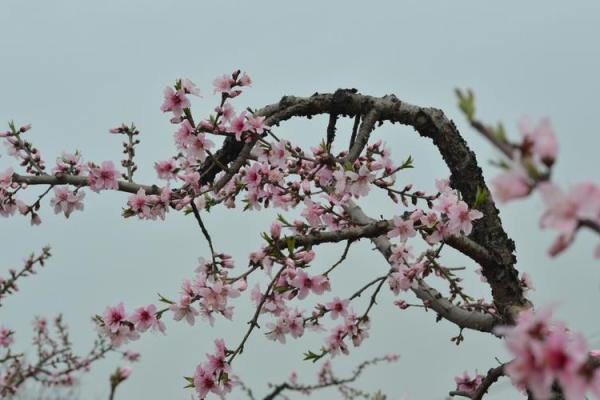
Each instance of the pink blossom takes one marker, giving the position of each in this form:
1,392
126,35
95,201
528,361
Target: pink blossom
564,211
239,125
405,277
139,203
245,80
338,307
545,352
175,101
205,382
461,218
144,318
403,228
304,283
257,124
253,175
466,384
183,309
166,169
184,134
223,84
6,337
198,146
114,317
275,230
6,179
103,177
276,331
541,138
190,87
360,181
40,324
227,111
66,201
123,373
512,184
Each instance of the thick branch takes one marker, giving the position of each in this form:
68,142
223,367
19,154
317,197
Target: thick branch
74,180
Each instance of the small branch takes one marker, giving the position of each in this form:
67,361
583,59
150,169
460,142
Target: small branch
354,130
254,321
204,232
362,137
342,258
331,383
506,148
331,129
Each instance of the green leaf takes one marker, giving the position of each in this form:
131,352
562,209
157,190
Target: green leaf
281,289
408,163
291,244
163,299
266,236
466,103
500,132
282,219
480,197
311,356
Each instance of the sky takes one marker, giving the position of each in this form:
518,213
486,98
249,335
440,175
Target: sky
74,69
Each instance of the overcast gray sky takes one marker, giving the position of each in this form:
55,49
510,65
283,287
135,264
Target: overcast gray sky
74,69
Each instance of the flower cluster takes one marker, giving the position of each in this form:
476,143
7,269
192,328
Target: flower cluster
121,328
213,375
545,352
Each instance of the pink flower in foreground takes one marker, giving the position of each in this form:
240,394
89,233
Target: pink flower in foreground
565,210
510,185
546,352
103,177
66,201
541,138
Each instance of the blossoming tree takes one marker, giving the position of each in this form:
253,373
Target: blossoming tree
237,159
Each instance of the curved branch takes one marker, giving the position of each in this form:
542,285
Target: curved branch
466,176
